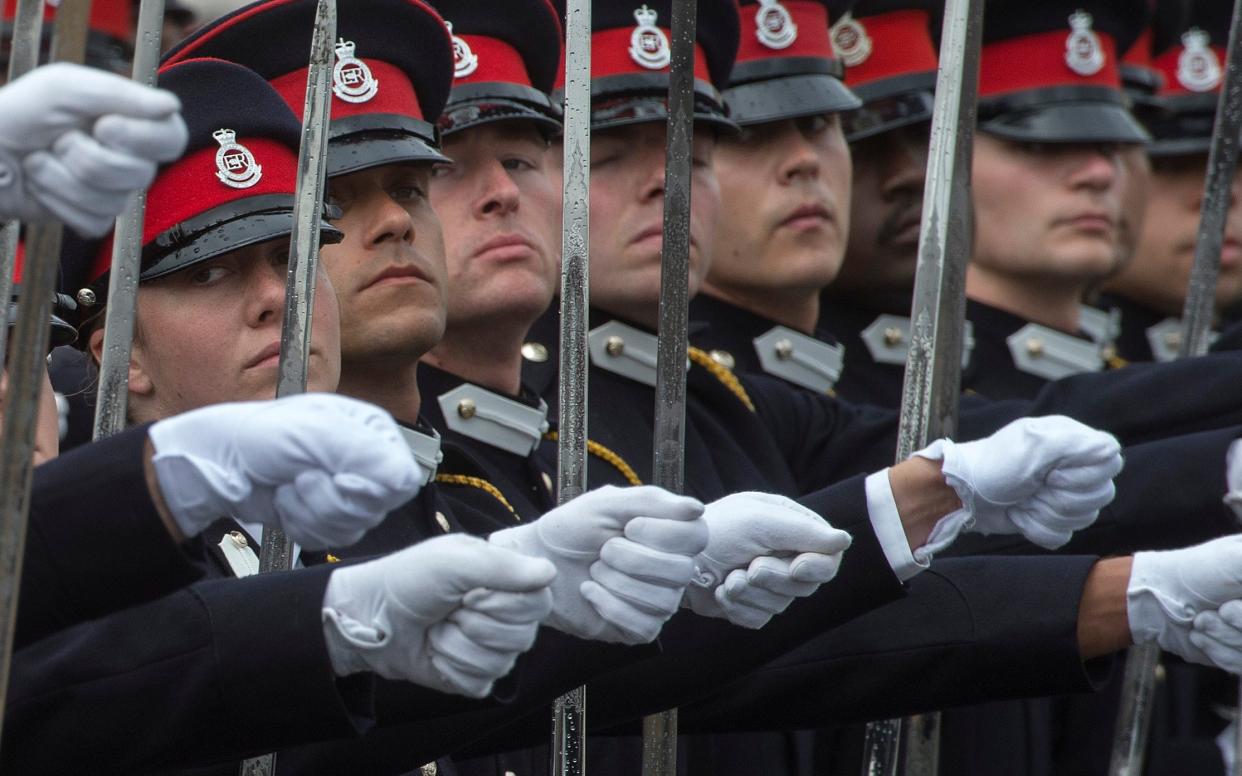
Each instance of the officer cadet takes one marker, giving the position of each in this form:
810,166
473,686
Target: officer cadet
1060,127
320,623
1149,291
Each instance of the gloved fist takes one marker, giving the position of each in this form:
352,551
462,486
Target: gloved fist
765,551
1233,477
324,469
1041,477
623,557
451,613
76,141
1170,590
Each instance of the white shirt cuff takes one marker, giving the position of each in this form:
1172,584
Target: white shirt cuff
886,522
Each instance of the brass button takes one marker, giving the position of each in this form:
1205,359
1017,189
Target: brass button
893,336
1035,346
614,345
1160,672
724,358
429,769
784,349
239,539
443,522
1173,340
86,297
466,408
534,351
547,481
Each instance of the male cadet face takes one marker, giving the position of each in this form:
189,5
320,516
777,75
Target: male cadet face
627,217
501,201
211,333
1048,210
389,270
889,173
784,205
1160,272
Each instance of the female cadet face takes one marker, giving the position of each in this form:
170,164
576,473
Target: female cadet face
211,333
627,217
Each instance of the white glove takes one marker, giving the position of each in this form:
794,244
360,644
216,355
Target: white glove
1227,743
1041,477
1168,590
451,613
76,141
1233,477
324,469
765,551
623,558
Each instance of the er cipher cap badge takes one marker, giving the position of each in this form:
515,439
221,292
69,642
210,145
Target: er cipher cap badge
352,80
235,165
774,26
1083,53
850,41
1198,69
648,44
465,61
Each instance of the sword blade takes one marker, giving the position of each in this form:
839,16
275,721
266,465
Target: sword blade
672,349
113,396
569,711
23,57
276,553
932,381
26,369
1138,684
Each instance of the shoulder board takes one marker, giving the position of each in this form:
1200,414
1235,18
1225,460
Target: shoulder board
426,450
624,350
800,359
1052,354
888,339
494,419
1103,326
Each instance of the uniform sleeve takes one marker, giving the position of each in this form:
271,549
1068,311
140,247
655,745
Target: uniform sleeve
95,543
970,630
217,671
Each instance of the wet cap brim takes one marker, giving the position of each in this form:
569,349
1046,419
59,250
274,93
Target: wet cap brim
62,332
222,230
1184,131
876,117
1066,115
472,105
374,140
624,100
788,97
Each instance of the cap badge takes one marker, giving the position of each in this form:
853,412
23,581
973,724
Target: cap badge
235,165
648,44
465,61
351,78
850,41
1198,69
774,26
1083,54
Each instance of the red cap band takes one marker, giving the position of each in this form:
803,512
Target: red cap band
190,187
394,94
1181,78
901,45
610,55
1039,61
812,21
494,60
